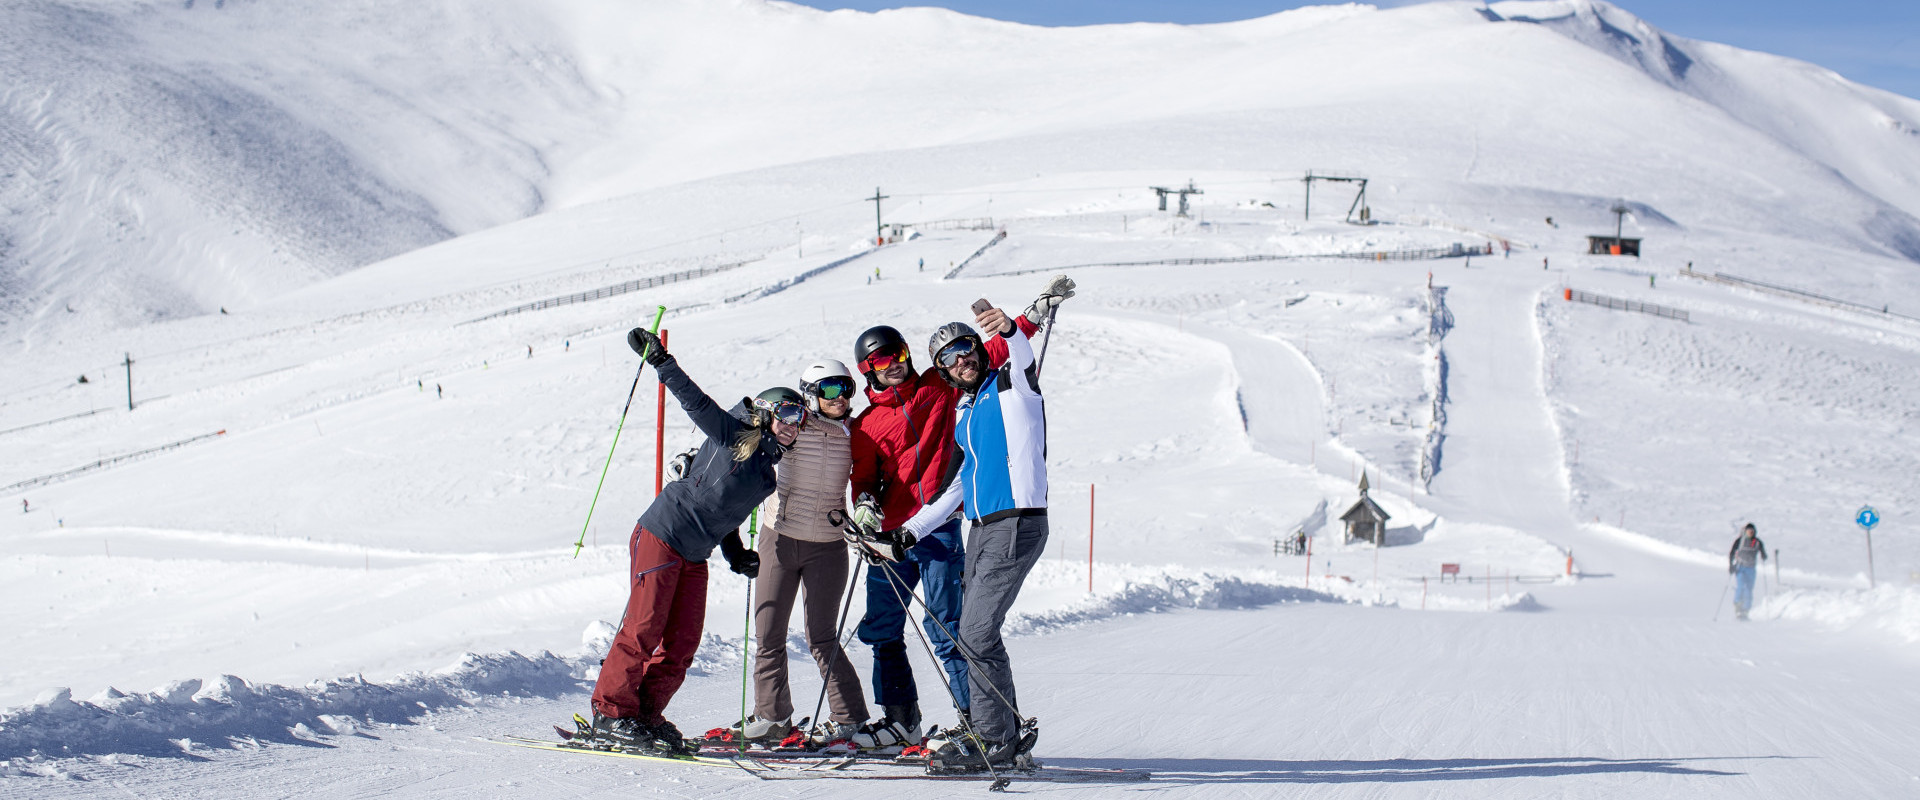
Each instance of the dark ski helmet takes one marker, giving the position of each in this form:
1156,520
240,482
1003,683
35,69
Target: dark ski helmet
946,335
773,399
879,339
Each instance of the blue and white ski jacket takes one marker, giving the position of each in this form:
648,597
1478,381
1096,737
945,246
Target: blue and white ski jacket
1002,432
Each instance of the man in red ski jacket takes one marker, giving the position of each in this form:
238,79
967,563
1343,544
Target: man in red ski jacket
903,454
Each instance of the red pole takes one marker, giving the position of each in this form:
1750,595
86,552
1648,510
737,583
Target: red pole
660,430
1089,538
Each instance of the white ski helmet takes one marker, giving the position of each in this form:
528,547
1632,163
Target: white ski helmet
825,370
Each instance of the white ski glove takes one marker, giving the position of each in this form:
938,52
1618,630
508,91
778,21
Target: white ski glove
1057,291
866,513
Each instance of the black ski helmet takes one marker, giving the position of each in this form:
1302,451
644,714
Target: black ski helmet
876,339
948,334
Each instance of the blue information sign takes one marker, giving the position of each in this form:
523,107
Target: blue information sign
1867,518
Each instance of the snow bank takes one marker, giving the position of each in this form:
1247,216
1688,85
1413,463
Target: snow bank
187,716
1165,592
1888,609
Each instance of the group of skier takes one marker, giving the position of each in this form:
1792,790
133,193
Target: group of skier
965,438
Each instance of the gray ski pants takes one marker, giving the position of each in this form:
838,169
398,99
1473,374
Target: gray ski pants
999,556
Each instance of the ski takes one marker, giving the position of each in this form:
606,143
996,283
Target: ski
869,770
846,767
534,744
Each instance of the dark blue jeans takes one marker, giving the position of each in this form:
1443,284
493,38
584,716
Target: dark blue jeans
938,561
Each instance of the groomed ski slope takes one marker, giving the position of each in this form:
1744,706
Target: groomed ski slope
372,564
1617,682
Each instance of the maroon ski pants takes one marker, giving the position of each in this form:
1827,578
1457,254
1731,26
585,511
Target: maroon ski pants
665,611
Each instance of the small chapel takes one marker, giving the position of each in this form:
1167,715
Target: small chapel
1366,519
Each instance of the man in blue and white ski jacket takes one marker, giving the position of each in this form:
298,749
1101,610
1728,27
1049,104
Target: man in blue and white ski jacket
1001,478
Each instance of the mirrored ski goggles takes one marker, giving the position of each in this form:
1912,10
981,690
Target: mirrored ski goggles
952,353
790,413
880,360
831,388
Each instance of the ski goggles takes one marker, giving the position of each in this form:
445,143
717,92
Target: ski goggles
880,360
952,353
790,413
831,388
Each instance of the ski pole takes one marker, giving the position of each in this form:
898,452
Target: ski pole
839,632
966,720
582,541
1724,588
746,635
1045,339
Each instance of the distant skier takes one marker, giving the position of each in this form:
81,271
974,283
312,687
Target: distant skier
667,603
1741,561
799,549
1000,469
439,393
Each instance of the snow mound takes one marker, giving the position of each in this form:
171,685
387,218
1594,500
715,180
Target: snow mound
184,716
1887,609
1166,592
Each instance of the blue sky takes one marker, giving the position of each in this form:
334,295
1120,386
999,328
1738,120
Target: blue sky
1875,42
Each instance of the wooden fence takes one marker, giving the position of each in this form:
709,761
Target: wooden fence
1577,296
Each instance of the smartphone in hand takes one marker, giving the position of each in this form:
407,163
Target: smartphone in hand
980,306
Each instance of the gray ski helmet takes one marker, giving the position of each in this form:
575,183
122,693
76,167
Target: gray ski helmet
946,335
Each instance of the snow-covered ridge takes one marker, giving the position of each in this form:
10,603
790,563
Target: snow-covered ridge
186,157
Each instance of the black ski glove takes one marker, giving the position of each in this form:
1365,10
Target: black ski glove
648,346
739,559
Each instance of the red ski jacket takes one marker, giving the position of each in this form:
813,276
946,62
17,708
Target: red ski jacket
903,440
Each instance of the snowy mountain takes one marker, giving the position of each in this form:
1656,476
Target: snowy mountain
175,158
331,542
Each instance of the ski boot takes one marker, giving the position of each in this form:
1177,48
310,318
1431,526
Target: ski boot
612,733
667,741
966,754
834,738
898,728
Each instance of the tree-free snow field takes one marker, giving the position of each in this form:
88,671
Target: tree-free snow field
331,548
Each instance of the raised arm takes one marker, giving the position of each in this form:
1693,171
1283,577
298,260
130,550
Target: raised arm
707,415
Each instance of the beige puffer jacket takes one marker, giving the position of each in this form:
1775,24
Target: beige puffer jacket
813,478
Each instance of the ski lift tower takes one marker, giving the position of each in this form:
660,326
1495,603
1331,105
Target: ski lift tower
1164,191
1359,200
1615,245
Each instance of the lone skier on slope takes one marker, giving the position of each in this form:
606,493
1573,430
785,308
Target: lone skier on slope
1741,563
1001,475
800,548
902,444
666,607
